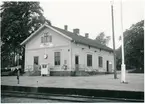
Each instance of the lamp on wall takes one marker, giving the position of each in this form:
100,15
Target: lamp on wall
45,45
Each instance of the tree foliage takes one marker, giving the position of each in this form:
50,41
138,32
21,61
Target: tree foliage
133,46
101,38
18,21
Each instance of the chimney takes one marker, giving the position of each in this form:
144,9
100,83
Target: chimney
87,35
76,31
65,27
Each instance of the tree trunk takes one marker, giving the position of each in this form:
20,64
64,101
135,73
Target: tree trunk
23,59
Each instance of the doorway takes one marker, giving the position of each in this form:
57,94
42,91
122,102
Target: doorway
77,62
107,65
36,63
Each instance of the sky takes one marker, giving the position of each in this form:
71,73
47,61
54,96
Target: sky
94,16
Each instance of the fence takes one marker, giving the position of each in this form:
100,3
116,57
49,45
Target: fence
79,67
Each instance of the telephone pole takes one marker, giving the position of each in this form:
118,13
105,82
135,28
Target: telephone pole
115,73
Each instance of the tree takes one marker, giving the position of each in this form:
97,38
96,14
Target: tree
103,39
18,21
134,46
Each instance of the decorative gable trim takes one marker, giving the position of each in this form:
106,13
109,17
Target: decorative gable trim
59,32
44,25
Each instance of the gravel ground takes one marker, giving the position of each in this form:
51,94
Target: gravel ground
135,82
5,99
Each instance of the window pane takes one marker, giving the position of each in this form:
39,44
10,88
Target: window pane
55,63
57,58
89,60
36,60
76,60
100,61
59,62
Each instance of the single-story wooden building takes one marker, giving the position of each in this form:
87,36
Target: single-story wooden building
66,51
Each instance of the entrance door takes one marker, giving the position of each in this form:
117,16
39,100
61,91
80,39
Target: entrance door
36,63
107,65
77,62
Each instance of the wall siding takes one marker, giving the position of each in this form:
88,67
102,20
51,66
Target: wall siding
33,48
68,51
77,50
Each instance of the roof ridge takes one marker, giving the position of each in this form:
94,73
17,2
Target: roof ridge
82,37
83,40
78,38
77,35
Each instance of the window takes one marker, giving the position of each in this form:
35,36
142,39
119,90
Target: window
76,60
100,61
46,38
57,58
89,60
35,60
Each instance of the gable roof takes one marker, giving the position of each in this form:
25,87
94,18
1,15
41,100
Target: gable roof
70,35
44,25
83,40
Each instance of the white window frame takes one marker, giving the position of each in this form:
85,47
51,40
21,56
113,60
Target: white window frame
55,58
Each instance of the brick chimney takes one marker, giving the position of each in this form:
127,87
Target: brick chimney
65,27
76,31
87,35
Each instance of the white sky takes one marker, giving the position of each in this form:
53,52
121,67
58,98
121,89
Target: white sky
93,16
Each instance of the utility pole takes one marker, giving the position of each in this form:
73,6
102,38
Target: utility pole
123,68
115,73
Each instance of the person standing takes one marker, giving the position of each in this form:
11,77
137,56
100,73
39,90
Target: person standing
18,74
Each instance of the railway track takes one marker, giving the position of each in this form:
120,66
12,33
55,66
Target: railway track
64,97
